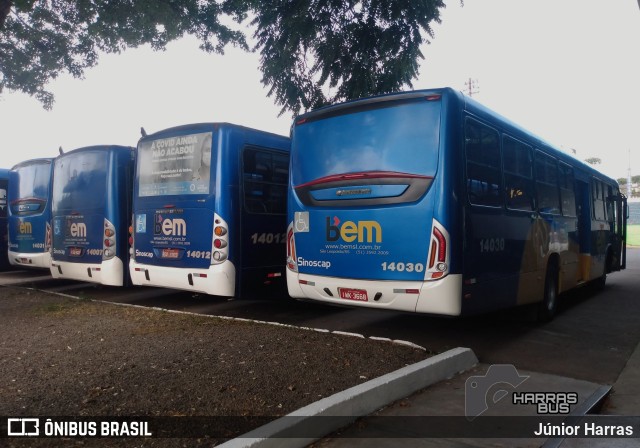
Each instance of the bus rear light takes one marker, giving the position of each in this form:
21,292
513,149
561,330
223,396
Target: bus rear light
438,265
220,240
200,275
109,241
219,256
291,250
442,244
274,274
47,238
307,282
131,240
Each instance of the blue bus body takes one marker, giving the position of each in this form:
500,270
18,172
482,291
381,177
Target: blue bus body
91,209
428,202
4,185
210,209
30,213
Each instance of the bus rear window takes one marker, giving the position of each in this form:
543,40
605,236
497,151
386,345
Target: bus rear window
177,165
33,181
402,138
80,179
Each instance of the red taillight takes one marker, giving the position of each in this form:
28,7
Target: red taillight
108,243
291,250
442,245
438,252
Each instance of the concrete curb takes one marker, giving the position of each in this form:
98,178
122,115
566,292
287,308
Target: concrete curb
346,406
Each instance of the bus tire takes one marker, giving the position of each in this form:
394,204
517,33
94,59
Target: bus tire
547,308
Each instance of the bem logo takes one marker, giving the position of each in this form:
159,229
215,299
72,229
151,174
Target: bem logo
349,231
25,227
175,226
78,230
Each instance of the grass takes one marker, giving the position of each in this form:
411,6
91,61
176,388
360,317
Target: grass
633,235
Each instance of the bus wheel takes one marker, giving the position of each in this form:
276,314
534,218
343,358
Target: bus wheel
547,308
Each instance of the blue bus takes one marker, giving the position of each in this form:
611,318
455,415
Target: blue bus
4,184
91,209
428,202
210,210
30,213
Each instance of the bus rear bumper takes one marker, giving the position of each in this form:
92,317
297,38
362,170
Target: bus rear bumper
109,272
41,260
217,280
443,296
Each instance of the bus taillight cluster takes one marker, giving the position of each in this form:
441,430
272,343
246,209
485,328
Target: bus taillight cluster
438,253
109,243
220,251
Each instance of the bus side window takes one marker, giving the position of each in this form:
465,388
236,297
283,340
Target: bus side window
482,149
598,199
517,174
265,175
546,172
567,190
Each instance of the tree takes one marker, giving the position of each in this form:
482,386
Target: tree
312,52
39,39
593,161
353,48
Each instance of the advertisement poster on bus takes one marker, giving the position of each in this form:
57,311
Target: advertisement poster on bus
176,165
175,237
77,236
27,235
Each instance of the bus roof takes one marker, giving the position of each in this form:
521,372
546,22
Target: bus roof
205,127
466,103
32,162
96,148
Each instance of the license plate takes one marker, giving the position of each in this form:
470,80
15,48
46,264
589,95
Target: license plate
170,253
75,251
353,294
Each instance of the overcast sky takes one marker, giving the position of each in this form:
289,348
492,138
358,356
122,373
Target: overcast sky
568,70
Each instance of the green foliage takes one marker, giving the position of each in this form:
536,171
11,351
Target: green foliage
633,235
39,39
313,52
